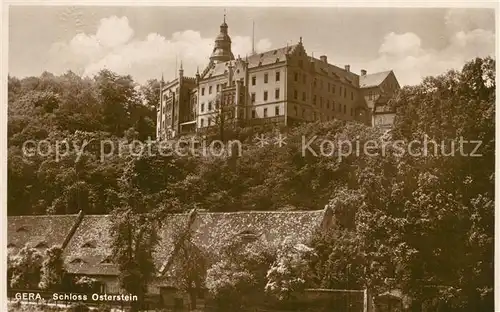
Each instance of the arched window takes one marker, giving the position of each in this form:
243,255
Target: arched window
77,261
22,229
88,245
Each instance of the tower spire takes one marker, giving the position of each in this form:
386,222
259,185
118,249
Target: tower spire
222,48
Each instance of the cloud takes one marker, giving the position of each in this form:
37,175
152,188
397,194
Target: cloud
469,37
114,47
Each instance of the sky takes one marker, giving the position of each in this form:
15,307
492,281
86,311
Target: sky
147,42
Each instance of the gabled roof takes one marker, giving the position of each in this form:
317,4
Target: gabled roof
270,57
89,249
217,69
373,80
43,231
91,244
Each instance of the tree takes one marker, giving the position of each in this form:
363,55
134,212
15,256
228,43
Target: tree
26,267
238,278
52,269
134,239
192,268
287,275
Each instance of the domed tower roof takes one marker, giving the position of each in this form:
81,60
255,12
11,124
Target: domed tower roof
222,48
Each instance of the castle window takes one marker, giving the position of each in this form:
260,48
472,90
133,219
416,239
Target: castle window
345,92
303,96
301,63
209,122
327,103
352,96
340,108
304,78
329,87
253,113
277,111
202,107
277,93
303,112
315,82
333,89
265,95
202,123
266,77
277,76
321,102
218,88
296,110
370,95
295,94
296,77
265,112
254,80
345,109
210,90
253,97
209,106
314,99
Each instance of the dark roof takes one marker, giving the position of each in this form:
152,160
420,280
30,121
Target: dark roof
171,231
373,80
91,244
42,231
211,231
335,72
89,249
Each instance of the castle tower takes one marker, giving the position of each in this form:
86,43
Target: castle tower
222,49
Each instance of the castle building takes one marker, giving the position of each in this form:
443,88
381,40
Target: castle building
283,86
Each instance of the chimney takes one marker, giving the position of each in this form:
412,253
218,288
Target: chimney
363,72
348,68
323,58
